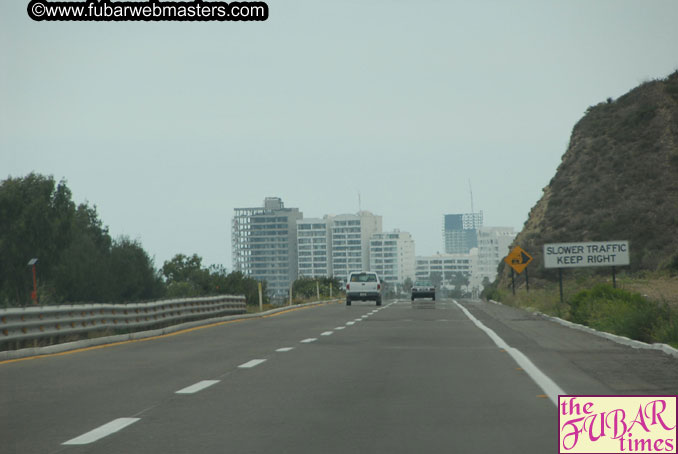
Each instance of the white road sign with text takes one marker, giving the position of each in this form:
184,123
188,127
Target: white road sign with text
573,255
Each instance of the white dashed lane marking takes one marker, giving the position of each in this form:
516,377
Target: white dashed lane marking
118,424
197,387
250,364
102,431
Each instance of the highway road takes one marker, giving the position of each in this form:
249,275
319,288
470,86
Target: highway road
403,378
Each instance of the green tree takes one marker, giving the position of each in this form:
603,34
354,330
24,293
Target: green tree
237,283
77,260
132,272
305,287
39,220
407,285
82,273
186,277
436,278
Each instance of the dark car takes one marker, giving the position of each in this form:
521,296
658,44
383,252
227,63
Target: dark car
423,289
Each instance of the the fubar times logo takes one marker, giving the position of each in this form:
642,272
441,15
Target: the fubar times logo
617,424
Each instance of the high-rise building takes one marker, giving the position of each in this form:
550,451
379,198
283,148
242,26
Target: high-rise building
493,246
460,232
351,234
392,256
314,246
264,243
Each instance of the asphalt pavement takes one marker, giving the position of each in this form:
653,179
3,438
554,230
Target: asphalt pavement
402,378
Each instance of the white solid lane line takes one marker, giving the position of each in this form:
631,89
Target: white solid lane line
327,333
541,379
250,364
102,431
338,328
309,340
285,349
350,323
197,387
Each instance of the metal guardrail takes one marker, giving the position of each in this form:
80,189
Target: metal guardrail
19,324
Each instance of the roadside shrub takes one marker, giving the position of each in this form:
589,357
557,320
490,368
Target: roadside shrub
672,265
617,311
666,330
490,291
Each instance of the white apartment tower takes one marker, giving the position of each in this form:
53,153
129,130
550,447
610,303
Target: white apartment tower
314,246
493,246
264,243
392,256
350,242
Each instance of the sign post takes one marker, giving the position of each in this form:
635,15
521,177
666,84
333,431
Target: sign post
518,260
527,281
593,253
614,278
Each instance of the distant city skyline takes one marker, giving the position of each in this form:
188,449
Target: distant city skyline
277,244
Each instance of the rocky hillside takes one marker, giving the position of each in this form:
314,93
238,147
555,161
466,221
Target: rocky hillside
618,180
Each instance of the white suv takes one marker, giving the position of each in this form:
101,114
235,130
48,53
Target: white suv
363,286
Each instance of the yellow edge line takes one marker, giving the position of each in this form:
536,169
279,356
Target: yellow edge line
161,336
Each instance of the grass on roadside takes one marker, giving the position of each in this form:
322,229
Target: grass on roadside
595,303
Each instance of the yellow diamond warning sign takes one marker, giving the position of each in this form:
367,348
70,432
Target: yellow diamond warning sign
518,259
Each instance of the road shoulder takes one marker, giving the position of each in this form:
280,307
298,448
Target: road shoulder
578,361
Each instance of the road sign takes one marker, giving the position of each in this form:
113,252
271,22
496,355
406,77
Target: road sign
518,259
575,255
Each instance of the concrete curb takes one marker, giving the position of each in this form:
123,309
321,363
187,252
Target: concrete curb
613,337
85,343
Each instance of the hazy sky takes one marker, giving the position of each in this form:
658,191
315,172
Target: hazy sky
167,127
